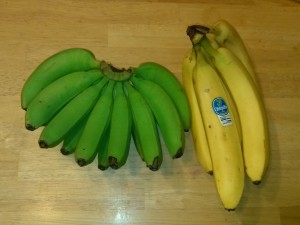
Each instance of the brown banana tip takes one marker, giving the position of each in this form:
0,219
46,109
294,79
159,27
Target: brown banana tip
256,182
113,162
210,173
186,130
196,29
155,164
230,210
64,151
101,167
178,154
81,162
43,144
30,127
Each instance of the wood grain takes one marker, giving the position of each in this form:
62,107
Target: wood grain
42,187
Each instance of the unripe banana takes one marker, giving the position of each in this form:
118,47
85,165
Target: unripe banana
167,80
97,123
165,114
221,132
54,67
102,148
145,128
56,130
72,138
57,94
120,129
250,108
198,132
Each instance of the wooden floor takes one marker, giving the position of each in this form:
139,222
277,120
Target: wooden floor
43,187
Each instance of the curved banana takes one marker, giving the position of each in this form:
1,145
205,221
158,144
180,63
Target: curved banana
226,35
120,129
165,114
97,123
72,138
56,130
221,132
53,97
54,67
250,107
197,127
145,128
167,80
102,147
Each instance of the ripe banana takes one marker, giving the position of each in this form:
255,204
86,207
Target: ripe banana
97,123
54,67
165,114
226,35
145,128
120,129
56,130
198,132
221,132
167,80
53,97
250,108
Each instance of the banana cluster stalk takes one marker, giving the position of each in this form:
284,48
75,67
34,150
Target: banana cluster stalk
228,119
94,109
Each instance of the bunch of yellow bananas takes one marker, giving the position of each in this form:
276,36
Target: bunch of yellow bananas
229,124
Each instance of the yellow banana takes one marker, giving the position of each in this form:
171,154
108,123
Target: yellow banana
250,108
197,128
221,132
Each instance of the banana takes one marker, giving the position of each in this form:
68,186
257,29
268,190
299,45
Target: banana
102,148
56,130
226,35
250,107
165,114
145,128
72,138
54,67
97,123
53,97
221,132
167,80
120,129
137,142
198,132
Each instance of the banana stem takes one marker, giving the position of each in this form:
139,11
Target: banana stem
114,73
208,47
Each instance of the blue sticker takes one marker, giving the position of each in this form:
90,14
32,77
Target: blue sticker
219,106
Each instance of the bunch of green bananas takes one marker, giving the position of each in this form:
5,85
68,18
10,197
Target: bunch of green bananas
229,123
94,108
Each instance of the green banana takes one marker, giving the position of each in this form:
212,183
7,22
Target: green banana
137,142
145,128
102,148
97,123
167,80
56,130
120,129
53,97
72,138
54,67
165,113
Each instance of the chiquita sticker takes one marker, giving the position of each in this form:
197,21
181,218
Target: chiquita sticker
221,109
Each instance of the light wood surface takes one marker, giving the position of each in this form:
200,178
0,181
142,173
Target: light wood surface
43,187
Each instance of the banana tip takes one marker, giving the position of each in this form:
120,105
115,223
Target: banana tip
155,164
256,182
178,154
113,162
81,162
102,167
43,144
64,151
230,209
30,127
